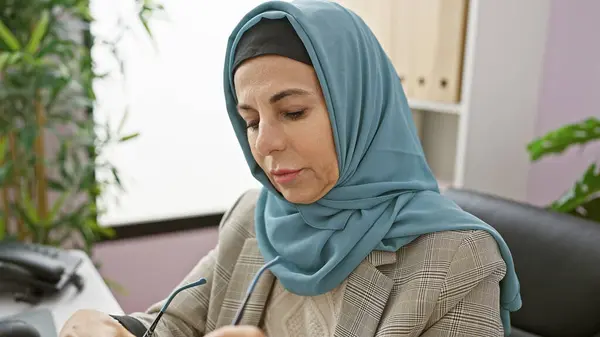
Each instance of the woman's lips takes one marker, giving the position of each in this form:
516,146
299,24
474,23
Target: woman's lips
284,176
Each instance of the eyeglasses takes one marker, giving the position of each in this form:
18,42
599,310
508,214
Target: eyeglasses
238,316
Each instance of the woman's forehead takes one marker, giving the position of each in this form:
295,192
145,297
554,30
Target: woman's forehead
274,71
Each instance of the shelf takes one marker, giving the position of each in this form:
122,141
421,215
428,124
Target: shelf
453,109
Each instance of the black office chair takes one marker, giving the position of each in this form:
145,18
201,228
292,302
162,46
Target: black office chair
557,260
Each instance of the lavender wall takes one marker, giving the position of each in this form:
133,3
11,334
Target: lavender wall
150,267
570,92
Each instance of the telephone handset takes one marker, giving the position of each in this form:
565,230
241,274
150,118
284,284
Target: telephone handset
32,271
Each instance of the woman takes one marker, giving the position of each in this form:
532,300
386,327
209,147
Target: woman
350,225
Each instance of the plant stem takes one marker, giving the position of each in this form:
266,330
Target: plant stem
21,229
40,168
5,205
4,201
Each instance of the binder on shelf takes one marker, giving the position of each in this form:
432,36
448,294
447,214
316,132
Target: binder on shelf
425,41
436,48
377,15
400,47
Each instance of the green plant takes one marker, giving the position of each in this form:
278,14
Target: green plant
50,146
583,198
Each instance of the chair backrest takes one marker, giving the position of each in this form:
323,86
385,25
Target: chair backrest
557,259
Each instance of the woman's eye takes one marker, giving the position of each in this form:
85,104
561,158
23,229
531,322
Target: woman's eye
295,114
252,125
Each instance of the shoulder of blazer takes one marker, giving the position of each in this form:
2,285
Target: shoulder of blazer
436,272
237,223
453,250
240,216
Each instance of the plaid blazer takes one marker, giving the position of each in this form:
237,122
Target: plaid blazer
441,284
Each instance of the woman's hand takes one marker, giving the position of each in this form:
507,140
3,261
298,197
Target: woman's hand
92,323
237,331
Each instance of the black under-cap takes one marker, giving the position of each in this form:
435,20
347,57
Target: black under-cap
270,37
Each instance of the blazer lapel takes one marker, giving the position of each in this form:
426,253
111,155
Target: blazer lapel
365,297
247,266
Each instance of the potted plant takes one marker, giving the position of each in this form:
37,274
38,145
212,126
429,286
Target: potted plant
50,146
583,198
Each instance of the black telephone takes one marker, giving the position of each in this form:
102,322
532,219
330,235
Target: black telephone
33,271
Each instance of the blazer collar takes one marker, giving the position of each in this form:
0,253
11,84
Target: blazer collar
380,258
365,296
247,266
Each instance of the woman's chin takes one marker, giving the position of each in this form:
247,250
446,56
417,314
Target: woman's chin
303,190
300,195
296,195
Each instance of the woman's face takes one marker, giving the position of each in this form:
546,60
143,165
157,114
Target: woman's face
288,126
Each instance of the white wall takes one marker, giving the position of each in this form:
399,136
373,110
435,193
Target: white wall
502,81
187,160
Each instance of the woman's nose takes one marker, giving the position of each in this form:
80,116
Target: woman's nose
270,138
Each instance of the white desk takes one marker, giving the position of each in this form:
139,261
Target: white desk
94,295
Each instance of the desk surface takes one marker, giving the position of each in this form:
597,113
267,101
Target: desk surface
94,295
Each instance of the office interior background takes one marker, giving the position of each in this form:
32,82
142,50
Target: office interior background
484,79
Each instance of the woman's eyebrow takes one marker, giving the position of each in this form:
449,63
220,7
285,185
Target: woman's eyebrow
287,92
278,97
242,107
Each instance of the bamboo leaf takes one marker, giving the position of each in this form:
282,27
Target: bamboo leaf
27,136
2,227
56,185
49,48
582,191
88,235
56,89
100,230
72,219
29,208
115,174
31,224
83,10
589,210
56,207
143,17
4,173
88,179
40,30
76,162
3,148
14,58
122,123
562,138
128,137
4,56
9,39
62,163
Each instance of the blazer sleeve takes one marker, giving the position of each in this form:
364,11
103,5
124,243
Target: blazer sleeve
469,301
186,315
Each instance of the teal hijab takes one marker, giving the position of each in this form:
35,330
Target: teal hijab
386,195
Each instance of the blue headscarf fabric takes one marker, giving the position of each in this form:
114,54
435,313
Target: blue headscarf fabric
386,195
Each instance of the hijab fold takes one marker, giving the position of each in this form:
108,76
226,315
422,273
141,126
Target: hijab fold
386,195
